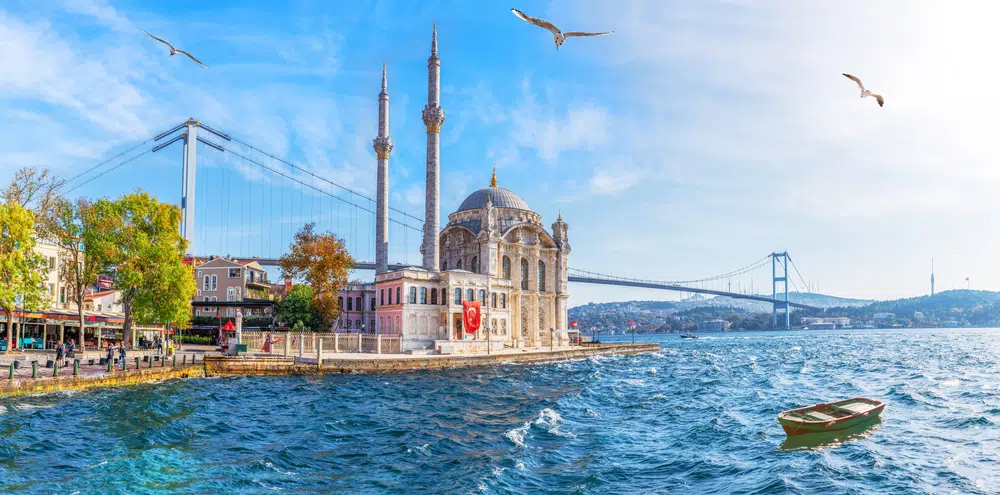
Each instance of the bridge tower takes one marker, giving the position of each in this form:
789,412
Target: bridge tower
780,259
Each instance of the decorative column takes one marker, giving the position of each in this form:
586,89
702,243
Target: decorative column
383,146
433,119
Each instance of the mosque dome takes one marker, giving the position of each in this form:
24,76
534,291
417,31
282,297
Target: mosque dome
500,197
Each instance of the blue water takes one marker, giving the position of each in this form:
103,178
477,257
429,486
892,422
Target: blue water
697,417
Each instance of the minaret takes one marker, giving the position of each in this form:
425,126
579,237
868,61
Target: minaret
383,146
433,118
932,276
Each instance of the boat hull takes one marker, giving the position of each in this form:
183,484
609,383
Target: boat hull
794,424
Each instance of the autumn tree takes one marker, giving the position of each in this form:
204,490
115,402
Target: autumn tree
139,237
322,262
21,267
36,190
70,222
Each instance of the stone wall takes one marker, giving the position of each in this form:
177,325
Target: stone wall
24,386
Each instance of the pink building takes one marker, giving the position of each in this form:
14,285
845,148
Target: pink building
357,306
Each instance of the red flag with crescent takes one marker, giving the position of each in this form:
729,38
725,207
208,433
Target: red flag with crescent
471,315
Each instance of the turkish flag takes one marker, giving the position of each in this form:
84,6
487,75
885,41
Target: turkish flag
471,315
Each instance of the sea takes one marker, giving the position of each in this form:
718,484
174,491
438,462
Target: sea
697,417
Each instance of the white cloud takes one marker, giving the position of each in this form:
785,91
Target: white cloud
613,179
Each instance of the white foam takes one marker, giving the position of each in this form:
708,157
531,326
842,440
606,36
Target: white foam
516,435
651,371
548,420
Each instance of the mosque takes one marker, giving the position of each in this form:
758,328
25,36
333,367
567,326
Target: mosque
494,250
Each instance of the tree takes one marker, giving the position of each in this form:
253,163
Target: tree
324,263
69,224
20,266
36,190
297,310
138,236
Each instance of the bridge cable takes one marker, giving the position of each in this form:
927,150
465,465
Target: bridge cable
116,167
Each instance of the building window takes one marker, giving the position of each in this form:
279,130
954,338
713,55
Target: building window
506,268
197,313
206,299
229,294
494,300
52,290
234,273
373,306
199,273
398,329
475,264
52,263
541,277
398,299
524,274
423,295
215,282
458,265
470,295
458,296
357,304
214,298
390,296
357,323
482,296
206,283
413,295
444,266
434,296
350,303
381,295
381,324
371,325
239,293
503,301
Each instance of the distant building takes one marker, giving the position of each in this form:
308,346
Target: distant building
227,285
826,323
106,302
884,316
713,326
57,292
357,306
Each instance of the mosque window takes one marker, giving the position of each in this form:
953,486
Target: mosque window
350,303
494,300
458,296
458,266
541,277
503,301
524,274
434,296
475,264
444,266
470,295
506,268
482,296
413,295
423,295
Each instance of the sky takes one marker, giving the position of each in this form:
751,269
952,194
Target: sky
696,139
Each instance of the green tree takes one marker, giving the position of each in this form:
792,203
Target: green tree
323,262
297,310
20,266
69,223
36,190
139,238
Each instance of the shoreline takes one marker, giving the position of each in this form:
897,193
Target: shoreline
221,366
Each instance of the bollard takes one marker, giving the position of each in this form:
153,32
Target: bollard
137,362
76,367
55,369
174,364
11,376
319,353
163,362
184,359
150,362
34,369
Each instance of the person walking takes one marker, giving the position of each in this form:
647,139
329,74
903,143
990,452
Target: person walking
121,354
60,352
110,355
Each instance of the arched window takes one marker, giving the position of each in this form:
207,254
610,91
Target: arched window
503,301
494,300
482,296
398,328
444,265
434,296
381,296
475,264
206,283
340,303
524,274
458,265
215,282
413,295
229,294
390,296
470,295
350,303
357,323
239,293
399,300
458,296
423,295
373,307
506,268
541,276
381,324
357,304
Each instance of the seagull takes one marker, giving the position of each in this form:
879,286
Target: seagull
174,51
865,92
560,36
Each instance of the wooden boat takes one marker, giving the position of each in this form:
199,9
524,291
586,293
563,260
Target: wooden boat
833,416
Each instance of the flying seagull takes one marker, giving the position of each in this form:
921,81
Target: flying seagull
865,92
560,36
174,51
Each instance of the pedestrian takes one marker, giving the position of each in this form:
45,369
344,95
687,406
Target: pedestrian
121,354
109,357
60,350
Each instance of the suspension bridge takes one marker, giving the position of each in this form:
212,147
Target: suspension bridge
242,201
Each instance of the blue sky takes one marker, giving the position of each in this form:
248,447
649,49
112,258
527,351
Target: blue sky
695,140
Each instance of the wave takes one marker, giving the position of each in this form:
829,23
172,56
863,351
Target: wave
547,420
